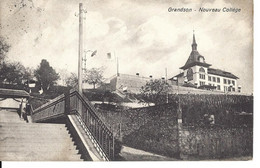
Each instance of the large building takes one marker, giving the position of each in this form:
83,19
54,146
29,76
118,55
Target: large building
126,83
198,73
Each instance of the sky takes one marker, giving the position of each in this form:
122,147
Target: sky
144,36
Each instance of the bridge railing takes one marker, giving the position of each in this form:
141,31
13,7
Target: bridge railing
52,109
76,103
101,133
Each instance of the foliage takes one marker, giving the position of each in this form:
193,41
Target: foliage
46,75
4,48
12,73
28,73
153,90
72,80
94,76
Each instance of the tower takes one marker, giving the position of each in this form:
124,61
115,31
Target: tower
195,68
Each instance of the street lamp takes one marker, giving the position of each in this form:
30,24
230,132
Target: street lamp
179,113
93,53
179,116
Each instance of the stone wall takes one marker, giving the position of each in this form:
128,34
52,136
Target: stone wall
215,142
124,122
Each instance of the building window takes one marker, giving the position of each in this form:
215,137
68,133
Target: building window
214,79
202,76
233,89
209,78
209,84
202,70
218,87
202,83
190,74
229,81
218,80
225,88
233,82
225,81
229,89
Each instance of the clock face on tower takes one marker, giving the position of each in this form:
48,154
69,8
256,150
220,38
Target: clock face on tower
201,59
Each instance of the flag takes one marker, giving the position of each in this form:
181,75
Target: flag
109,56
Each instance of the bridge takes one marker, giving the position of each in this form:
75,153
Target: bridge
65,129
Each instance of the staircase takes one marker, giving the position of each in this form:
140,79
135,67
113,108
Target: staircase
21,141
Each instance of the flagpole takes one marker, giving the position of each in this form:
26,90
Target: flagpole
117,64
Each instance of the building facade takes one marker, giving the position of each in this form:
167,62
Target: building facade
126,83
198,73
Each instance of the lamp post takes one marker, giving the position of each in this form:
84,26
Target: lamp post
179,119
81,47
179,112
81,50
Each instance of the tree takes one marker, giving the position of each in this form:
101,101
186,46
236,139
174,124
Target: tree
46,75
72,80
94,76
154,91
12,73
28,73
4,48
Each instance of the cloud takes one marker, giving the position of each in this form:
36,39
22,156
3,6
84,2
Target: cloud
144,35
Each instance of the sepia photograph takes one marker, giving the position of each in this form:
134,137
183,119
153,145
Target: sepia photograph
96,80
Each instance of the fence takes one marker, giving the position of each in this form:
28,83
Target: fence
75,103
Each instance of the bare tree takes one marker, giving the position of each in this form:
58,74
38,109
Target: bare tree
72,80
94,76
154,91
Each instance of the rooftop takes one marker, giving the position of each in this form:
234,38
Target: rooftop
7,93
195,58
221,73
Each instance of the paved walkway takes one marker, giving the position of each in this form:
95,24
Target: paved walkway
132,154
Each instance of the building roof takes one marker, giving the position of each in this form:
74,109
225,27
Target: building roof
7,93
221,73
179,75
195,58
